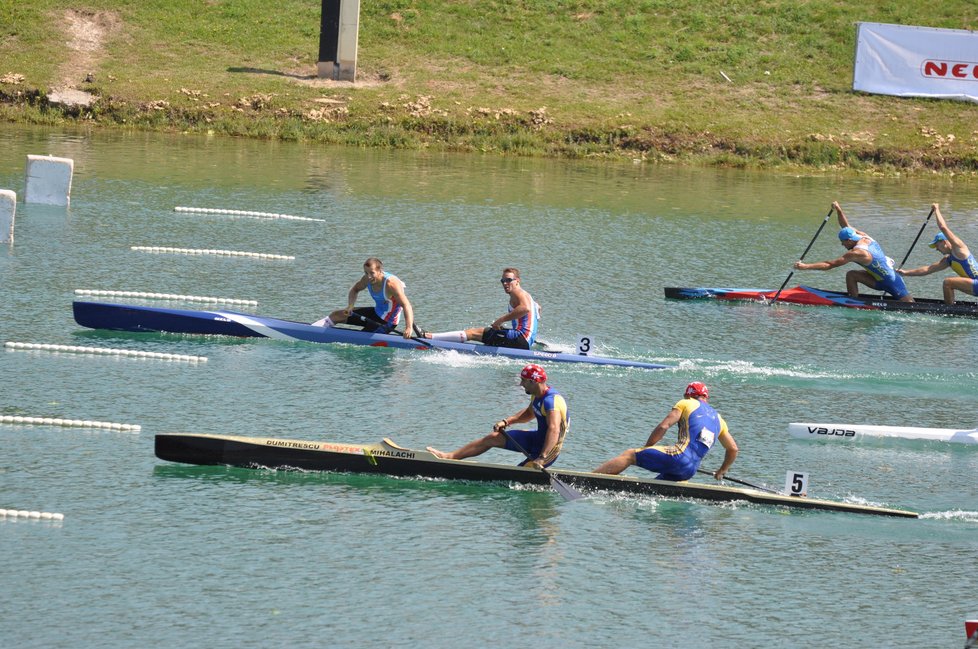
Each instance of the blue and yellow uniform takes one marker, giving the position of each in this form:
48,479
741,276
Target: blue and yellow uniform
966,267
699,427
532,440
881,268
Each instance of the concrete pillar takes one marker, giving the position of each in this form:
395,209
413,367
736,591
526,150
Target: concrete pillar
48,180
8,208
338,38
346,54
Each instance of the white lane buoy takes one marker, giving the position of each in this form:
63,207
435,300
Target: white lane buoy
199,251
260,215
104,350
165,296
68,423
30,514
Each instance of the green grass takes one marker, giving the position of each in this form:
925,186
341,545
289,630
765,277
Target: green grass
640,79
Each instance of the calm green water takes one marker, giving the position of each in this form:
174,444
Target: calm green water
157,554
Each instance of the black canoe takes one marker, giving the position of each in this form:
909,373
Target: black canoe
388,458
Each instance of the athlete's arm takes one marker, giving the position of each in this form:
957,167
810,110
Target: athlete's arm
522,416
660,431
351,298
396,289
926,270
523,306
843,221
853,256
958,247
553,434
730,453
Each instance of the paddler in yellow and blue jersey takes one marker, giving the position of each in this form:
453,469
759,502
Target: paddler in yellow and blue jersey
700,426
956,256
541,446
862,249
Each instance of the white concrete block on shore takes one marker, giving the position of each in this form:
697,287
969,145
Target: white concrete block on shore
8,209
48,180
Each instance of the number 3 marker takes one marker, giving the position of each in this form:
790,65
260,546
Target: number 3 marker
584,344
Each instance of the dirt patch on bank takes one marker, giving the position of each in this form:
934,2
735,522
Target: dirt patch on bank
86,32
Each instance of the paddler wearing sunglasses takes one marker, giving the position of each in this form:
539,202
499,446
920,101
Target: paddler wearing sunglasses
523,316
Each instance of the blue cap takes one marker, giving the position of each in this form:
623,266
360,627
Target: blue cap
937,237
848,234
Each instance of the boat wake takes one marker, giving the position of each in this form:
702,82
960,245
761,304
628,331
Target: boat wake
451,358
952,515
746,368
908,383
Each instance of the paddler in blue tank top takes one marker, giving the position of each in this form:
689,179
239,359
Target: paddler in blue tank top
389,299
522,317
878,272
956,256
700,426
542,445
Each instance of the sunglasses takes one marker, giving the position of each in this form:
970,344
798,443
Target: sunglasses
507,280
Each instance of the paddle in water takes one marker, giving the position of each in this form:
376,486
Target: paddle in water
802,258
746,484
568,492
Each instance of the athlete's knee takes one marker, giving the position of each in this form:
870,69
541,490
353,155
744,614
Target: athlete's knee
495,438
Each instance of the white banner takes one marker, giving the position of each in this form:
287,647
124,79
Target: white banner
916,61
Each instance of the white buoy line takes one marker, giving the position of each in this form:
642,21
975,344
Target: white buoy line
68,423
165,296
23,513
260,215
203,251
106,351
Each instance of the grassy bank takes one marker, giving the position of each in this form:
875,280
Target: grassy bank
737,83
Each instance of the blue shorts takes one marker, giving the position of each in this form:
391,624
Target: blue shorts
895,287
504,338
669,467
531,441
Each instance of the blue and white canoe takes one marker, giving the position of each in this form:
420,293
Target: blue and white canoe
129,317
858,432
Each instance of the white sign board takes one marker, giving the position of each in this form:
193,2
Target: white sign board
585,344
796,483
916,61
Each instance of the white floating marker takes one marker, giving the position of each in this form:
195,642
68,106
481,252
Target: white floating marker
202,251
8,209
166,296
105,350
67,423
257,215
48,180
22,513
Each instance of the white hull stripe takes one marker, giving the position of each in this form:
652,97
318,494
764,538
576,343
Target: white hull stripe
256,326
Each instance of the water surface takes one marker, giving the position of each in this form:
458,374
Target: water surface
152,552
